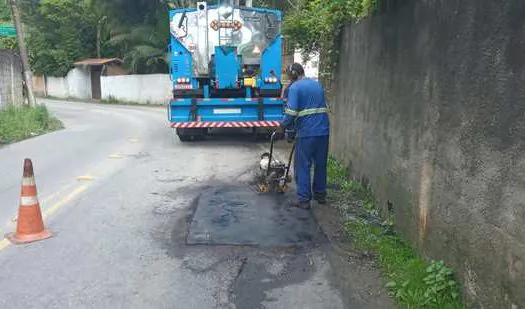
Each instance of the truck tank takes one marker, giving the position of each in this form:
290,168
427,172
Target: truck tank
226,69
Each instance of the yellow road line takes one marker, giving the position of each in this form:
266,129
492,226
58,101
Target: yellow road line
63,201
52,196
116,156
4,244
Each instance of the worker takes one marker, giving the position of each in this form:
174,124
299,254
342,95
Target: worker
307,113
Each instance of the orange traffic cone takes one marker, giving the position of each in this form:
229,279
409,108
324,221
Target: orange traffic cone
30,225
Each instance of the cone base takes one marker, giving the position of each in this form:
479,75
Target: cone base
25,239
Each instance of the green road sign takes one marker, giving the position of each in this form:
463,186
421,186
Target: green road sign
7,31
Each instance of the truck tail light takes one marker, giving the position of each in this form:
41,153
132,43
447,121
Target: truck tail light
271,80
183,80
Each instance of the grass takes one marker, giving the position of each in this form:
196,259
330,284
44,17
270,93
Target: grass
414,282
18,123
112,100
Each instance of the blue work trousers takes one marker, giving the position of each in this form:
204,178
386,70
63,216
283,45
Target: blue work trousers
311,150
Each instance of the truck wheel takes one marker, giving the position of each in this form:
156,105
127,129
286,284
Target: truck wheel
184,138
187,135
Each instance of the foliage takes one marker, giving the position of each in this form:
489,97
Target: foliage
8,43
5,14
412,281
316,26
283,5
61,32
440,284
18,123
143,48
337,174
138,32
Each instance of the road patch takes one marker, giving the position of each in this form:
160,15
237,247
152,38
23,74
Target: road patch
239,216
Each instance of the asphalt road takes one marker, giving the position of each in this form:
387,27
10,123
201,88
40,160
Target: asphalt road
117,189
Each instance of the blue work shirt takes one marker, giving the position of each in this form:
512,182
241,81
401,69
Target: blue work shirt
306,110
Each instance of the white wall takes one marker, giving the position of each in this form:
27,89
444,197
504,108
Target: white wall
145,89
311,67
76,84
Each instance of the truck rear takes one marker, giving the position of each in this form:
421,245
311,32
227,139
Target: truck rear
226,68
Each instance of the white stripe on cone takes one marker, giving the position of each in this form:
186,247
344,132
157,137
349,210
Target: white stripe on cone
28,181
28,200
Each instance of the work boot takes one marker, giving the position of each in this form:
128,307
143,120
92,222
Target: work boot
320,198
301,204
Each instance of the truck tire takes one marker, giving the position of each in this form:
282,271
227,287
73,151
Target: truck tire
188,135
184,138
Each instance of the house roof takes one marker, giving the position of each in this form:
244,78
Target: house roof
98,61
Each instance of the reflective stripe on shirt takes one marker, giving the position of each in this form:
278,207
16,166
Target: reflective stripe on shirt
291,112
305,112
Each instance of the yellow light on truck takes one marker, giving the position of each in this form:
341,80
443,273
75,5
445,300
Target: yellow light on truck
250,82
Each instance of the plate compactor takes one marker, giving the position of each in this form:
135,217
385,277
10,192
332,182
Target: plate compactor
273,175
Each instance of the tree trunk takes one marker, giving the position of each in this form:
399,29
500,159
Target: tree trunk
99,34
23,52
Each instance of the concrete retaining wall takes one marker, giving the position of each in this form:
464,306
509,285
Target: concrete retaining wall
429,108
10,79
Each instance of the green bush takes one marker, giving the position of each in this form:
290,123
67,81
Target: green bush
18,123
8,43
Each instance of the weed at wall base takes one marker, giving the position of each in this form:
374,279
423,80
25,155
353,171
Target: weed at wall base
18,123
414,282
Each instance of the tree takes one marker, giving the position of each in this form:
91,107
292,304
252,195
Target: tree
5,16
316,25
20,36
137,31
61,32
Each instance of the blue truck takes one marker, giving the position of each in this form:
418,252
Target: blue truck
226,67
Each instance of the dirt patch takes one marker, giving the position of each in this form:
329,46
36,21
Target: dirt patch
353,273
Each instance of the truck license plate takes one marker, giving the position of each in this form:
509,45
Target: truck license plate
227,111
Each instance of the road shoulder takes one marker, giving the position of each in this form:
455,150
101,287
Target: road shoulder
353,273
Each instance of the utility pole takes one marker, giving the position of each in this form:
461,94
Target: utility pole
15,13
